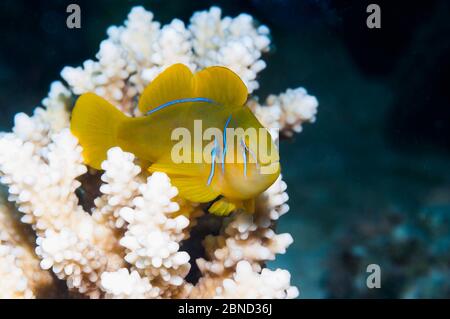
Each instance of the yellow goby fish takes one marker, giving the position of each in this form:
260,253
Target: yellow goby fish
196,128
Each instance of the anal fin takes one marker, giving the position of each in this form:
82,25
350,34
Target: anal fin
189,179
225,206
193,189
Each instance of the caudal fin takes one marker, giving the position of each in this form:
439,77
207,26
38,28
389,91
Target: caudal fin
95,122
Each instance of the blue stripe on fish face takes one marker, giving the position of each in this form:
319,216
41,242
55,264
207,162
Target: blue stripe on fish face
225,143
244,155
213,161
186,100
252,154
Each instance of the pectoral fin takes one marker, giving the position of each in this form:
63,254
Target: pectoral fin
222,207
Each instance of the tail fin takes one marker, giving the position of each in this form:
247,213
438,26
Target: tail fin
95,122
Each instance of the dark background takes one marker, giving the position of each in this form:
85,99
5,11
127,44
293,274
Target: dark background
381,143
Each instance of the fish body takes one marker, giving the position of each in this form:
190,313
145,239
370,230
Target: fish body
195,128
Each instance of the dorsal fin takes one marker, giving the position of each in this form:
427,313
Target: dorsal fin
217,85
220,84
173,83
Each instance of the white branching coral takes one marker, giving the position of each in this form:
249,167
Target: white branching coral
248,284
42,182
273,202
286,112
153,235
20,273
126,53
14,282
235,43
54,117
246,237
173,45
121,183
124,233
123,284
246,242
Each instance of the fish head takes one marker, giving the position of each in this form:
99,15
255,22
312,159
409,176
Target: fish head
252,163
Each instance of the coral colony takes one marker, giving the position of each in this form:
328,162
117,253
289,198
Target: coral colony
70,231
